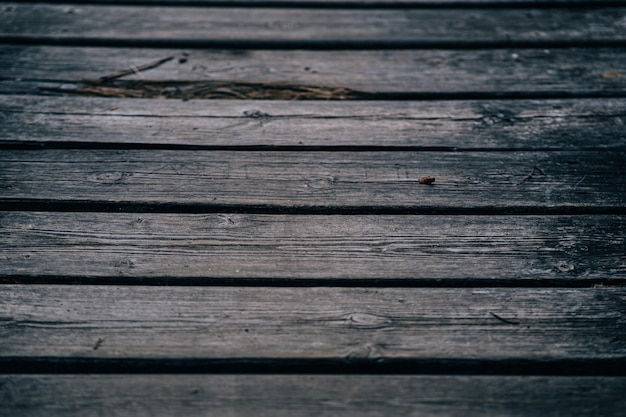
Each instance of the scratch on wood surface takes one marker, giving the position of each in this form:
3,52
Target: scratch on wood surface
532,174
98,343
503,319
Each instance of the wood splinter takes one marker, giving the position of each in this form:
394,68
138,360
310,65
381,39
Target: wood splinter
136,70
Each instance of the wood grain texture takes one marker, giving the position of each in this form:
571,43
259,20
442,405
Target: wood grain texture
278,294
568,71
209,248
312,323
212,27
582,124
511,181
361,3
309,395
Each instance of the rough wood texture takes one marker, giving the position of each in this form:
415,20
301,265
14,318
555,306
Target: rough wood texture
464,180
442,73
299,280
312,323
309,395
211,247
212,27
361,3
498,125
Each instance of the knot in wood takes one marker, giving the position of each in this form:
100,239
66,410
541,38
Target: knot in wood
112,177
564,266
366,320
321,182
256,114
366,352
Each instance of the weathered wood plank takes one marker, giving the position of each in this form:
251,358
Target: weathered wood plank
515,124
209,248
409,73
310,395
510,181
351,324
361,3
249,27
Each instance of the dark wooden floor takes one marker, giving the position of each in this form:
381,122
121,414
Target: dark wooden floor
227,207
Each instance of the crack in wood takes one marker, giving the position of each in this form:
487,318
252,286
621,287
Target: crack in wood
106,87
507,321
136,70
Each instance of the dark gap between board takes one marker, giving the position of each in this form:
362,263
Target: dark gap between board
346,4
566,282
225,90
547,367
136,207
302,44
35,145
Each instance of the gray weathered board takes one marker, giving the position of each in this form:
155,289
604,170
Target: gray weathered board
485,73
513,181
105,24
575,125
310,395
362,3
209,248
347,324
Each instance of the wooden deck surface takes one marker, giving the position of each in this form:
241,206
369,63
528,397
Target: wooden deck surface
313,207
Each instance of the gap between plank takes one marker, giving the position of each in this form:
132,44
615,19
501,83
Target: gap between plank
355,4
351,95
302,44
444,366
72,206
313,282
77,145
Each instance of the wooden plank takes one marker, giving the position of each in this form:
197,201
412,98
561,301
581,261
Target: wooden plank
362,3
211,248
351,324
262,27
437,73
509,181
310,395
582,124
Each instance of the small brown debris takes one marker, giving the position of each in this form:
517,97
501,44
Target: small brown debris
611,74
427,180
